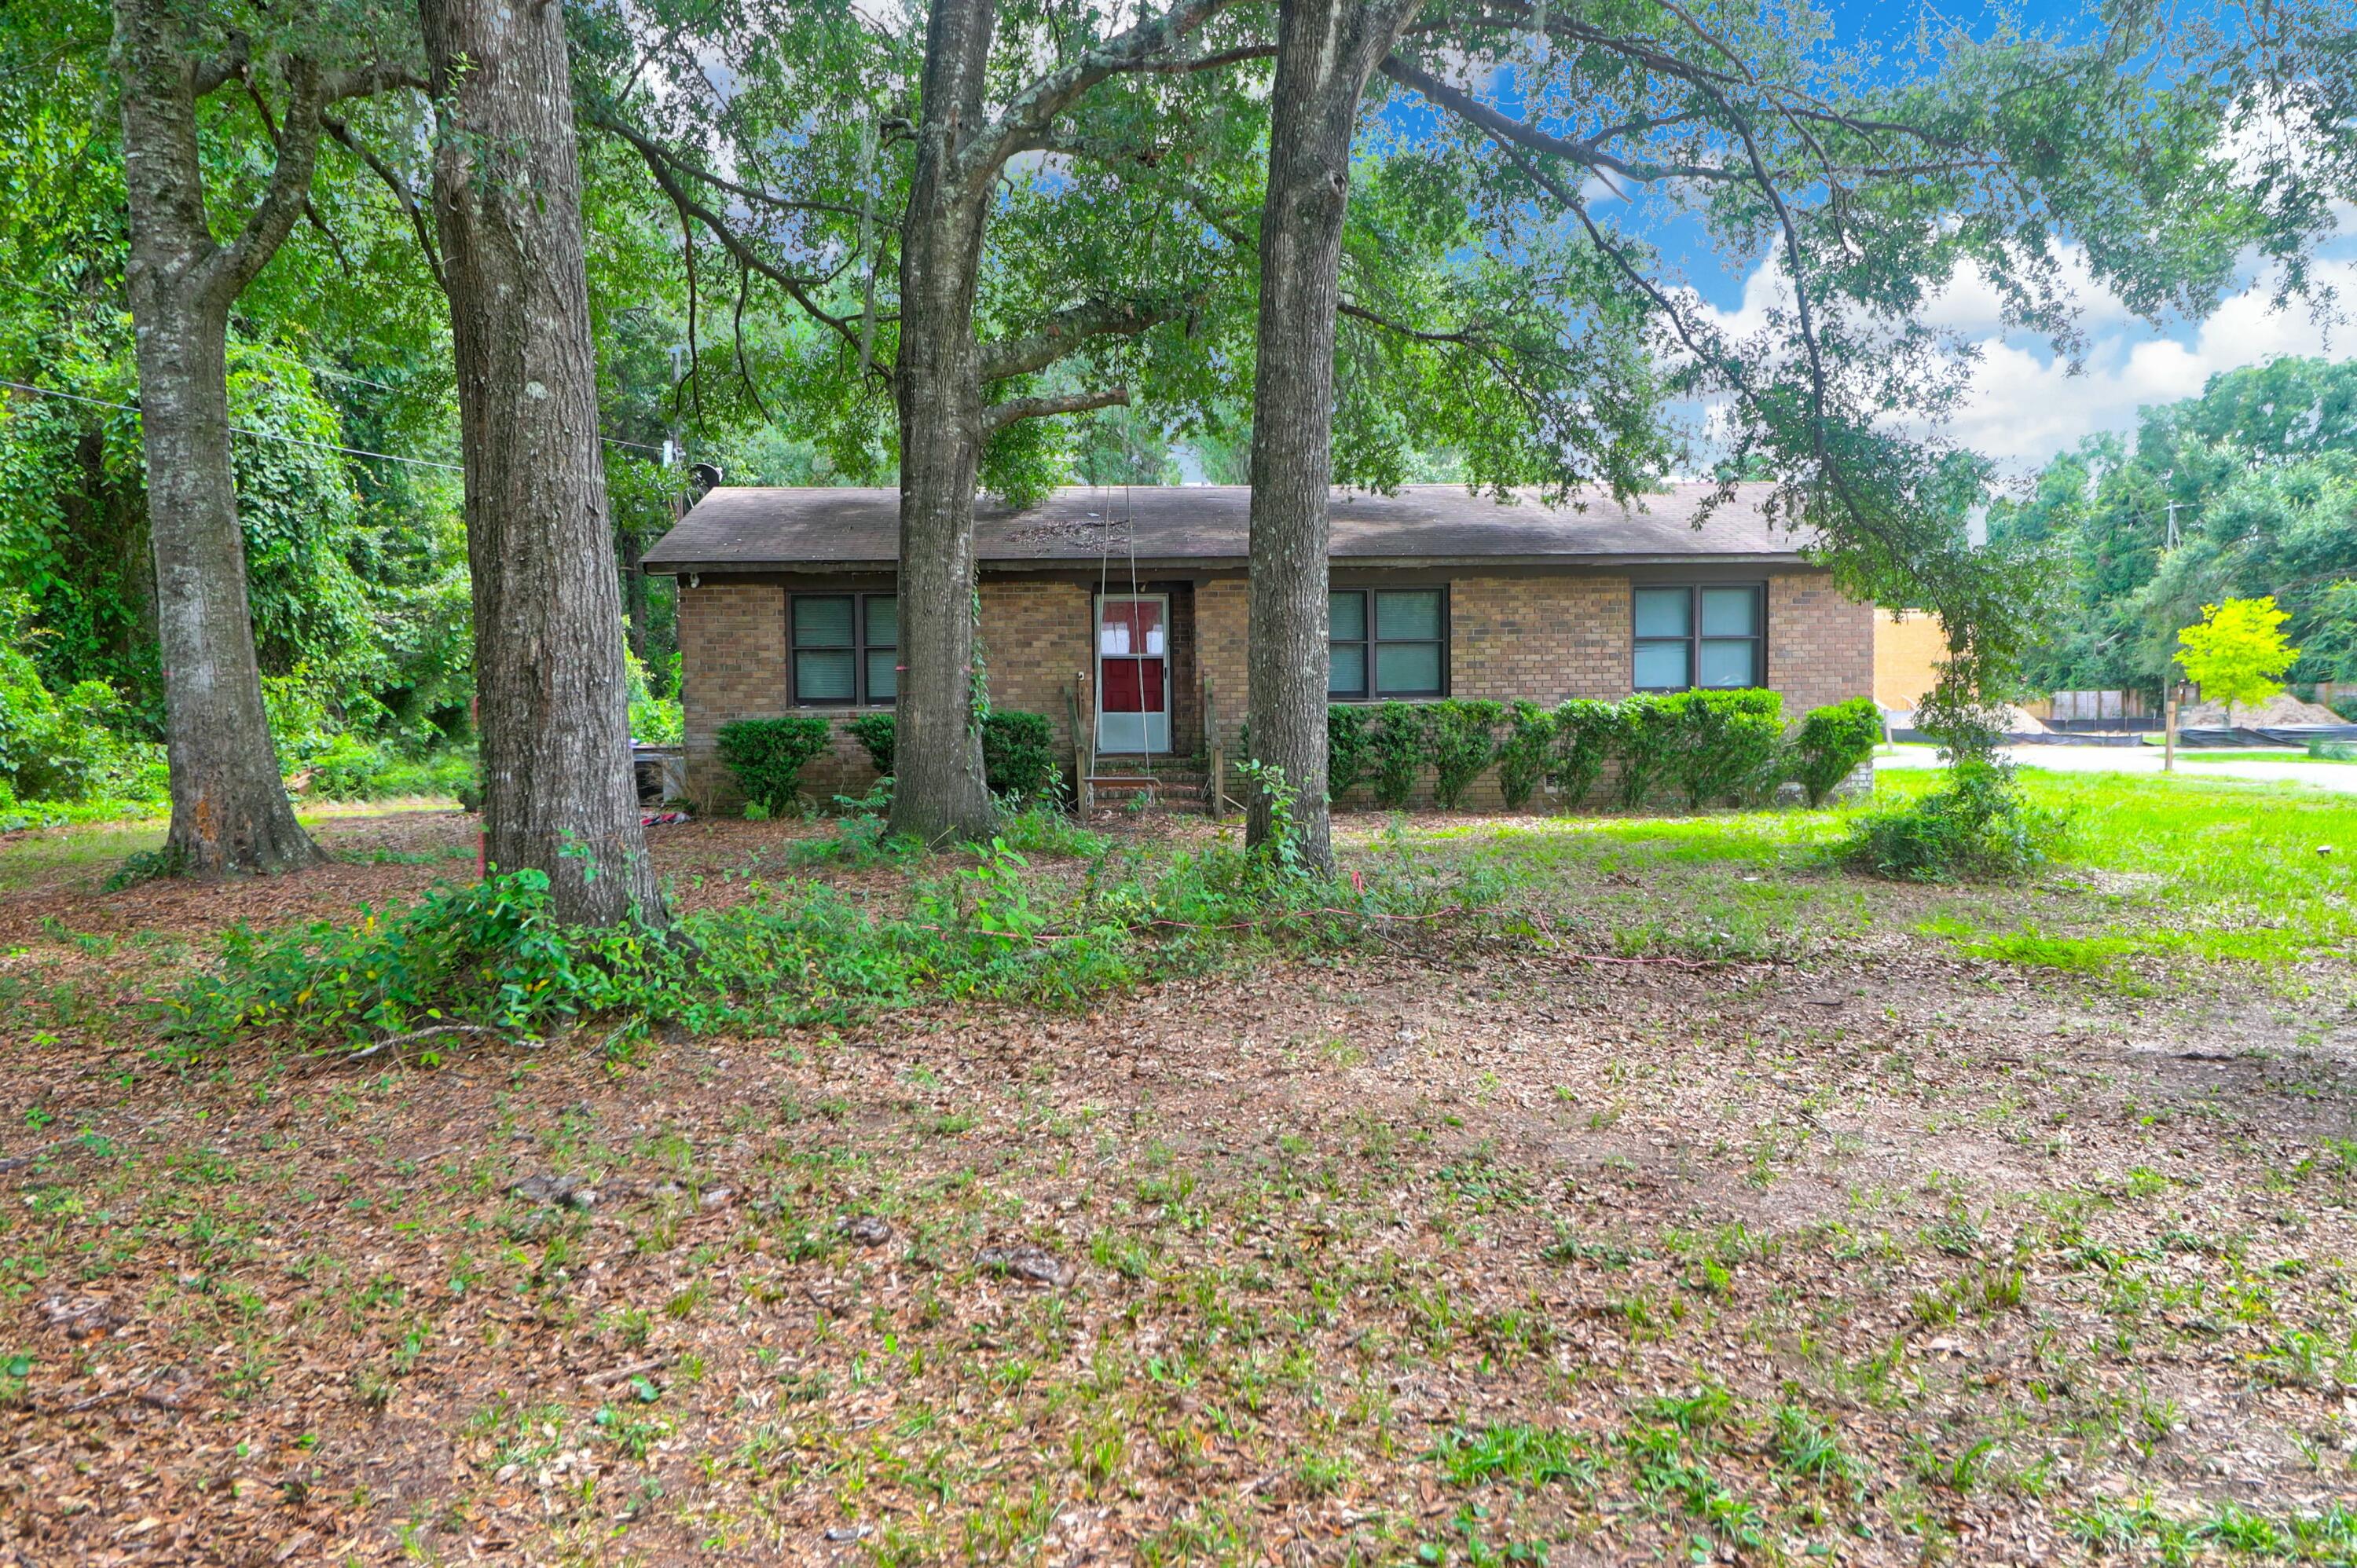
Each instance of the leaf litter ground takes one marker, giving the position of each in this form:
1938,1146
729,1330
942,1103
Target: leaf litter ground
1852,1248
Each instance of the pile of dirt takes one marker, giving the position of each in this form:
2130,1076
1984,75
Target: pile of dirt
2283,708
2017,721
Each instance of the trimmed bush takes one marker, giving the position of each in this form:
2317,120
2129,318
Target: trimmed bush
1650,733
1018,754
1348,747
1587,735
1019,750
1461,739
1526,753
1830,744
1709,745
768,756
1728,743
1396,746
874,732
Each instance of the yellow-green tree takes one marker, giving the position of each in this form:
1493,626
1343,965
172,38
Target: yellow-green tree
2238,652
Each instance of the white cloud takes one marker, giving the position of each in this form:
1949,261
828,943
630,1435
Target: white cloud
2024,404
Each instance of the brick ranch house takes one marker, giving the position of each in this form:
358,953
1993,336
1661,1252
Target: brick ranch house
1126,608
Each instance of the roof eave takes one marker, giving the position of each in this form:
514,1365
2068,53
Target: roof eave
1239,563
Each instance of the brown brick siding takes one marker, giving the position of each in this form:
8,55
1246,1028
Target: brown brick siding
1545,638
733,666
1820,643
1034,640
1550,637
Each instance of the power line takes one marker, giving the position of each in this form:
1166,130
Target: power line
241,430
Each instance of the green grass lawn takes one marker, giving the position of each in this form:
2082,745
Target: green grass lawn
2154,868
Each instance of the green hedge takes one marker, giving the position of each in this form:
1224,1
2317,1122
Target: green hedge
1018,751
768,756
1707,745
1831,742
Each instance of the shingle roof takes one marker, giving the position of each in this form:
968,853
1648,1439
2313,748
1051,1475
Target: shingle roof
745,528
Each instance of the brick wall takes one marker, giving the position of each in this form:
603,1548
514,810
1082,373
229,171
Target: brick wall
1034,640
1548,638
732,640
1820,644
1542,637
732,665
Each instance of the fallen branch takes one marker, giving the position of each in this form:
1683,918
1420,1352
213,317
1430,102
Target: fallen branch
395,1042
623,1374
18,1162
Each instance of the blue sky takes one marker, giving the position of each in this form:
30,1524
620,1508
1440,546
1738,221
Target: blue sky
2025,406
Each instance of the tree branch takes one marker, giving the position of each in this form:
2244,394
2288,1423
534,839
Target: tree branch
1219,61
1505,127
651,149
217,72
1401,329
392,180
231,267
1033,110
797,286
999,415
1068,331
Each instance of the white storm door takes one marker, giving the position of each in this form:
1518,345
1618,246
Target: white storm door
1133,672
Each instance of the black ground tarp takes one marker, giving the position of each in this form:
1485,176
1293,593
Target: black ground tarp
2268,735
2297,735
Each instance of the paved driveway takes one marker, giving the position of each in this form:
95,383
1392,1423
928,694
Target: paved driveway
2295,768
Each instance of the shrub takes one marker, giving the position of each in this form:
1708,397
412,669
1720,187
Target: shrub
1830,744
491,952
492,955
1586,735
1461,739
1018,751
768,756
874,732
1727,742
654,720
1019,756
1646,742
1348,747
62,747
1396,746
1526,754
1973,827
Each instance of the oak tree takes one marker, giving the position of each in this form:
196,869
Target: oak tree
230,809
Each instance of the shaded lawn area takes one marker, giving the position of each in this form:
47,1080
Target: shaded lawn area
1697,1200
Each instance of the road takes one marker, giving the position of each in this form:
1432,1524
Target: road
2294,768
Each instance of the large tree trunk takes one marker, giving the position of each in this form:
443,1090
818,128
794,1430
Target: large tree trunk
938,790
554,713
229,811
1326,50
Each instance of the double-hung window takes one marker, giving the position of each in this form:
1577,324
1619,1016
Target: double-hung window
1387,642
845,649
1696,635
